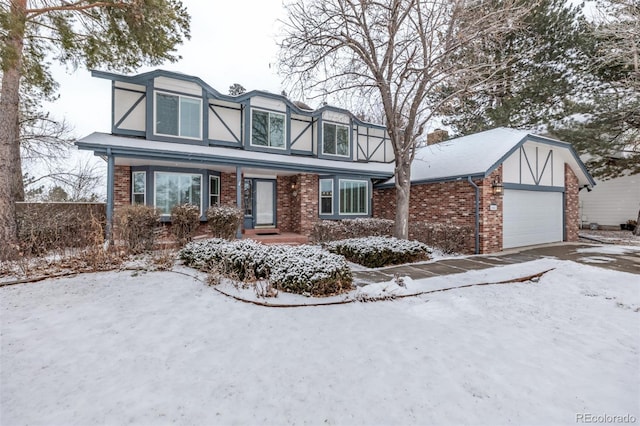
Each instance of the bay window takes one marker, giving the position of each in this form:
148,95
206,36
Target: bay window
354,197
326,196
172,189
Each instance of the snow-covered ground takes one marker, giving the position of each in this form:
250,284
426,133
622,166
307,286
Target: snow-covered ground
162,348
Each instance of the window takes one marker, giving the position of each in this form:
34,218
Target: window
335,139
326,196
176,188
214,190
353,196
267,129
248,197
178,116
138,187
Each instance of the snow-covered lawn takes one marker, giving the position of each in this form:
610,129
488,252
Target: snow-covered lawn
162,348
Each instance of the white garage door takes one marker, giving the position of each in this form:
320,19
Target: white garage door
531,217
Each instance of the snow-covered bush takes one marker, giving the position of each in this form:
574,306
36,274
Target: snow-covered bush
332,230
375,252
295,269
224,221
137,225
448,238
185,219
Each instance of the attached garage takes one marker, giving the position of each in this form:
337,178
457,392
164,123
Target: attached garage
531,217
506,188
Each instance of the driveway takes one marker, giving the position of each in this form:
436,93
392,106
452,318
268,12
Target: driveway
619,258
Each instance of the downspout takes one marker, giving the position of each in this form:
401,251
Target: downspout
477,230
239,198
110,194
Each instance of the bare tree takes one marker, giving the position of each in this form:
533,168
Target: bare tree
398,52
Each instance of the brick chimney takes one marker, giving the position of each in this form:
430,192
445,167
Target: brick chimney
437,136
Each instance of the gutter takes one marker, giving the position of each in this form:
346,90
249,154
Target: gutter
477,227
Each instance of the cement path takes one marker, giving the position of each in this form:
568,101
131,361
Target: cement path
618,259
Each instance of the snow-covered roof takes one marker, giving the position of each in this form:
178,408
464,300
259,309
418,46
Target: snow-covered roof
474,155
103,143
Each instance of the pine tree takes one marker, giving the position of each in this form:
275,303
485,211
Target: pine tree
118,34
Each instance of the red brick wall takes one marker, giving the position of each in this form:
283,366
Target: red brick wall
450,203
490,220
122,186
286,203
228,189
571,204
307,203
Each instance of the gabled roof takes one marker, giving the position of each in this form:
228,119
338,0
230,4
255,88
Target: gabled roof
479,154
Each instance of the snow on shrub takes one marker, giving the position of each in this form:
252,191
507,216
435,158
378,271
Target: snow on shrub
295,269
375,252
331,230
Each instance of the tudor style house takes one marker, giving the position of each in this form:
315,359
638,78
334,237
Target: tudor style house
175,140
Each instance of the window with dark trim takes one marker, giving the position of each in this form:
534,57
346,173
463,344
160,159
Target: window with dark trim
214,190
171,189
138,187
177,115
335,139
326,196
354,196
267,129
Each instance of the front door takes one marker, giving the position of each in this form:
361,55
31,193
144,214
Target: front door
265,207
259,203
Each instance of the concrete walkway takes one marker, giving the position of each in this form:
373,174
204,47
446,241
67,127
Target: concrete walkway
597,255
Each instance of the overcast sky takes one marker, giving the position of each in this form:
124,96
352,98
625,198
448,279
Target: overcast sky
231,42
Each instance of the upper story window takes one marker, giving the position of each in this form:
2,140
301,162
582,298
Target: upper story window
335,139
177,115
267,129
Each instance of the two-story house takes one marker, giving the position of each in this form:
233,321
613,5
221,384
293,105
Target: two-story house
174,139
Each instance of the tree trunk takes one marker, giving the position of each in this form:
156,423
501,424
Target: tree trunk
637,230
17,182
9,137
403,192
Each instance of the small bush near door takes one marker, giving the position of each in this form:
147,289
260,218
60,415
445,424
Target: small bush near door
224,221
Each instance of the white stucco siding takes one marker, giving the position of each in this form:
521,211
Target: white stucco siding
122,103
268,103
611,202
180,86
535,164
336,117
230,117
301,130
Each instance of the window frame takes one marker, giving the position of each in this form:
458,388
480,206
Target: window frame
155,185
284,129
217,186
366,203
180,97
336,125
144,189
330,197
